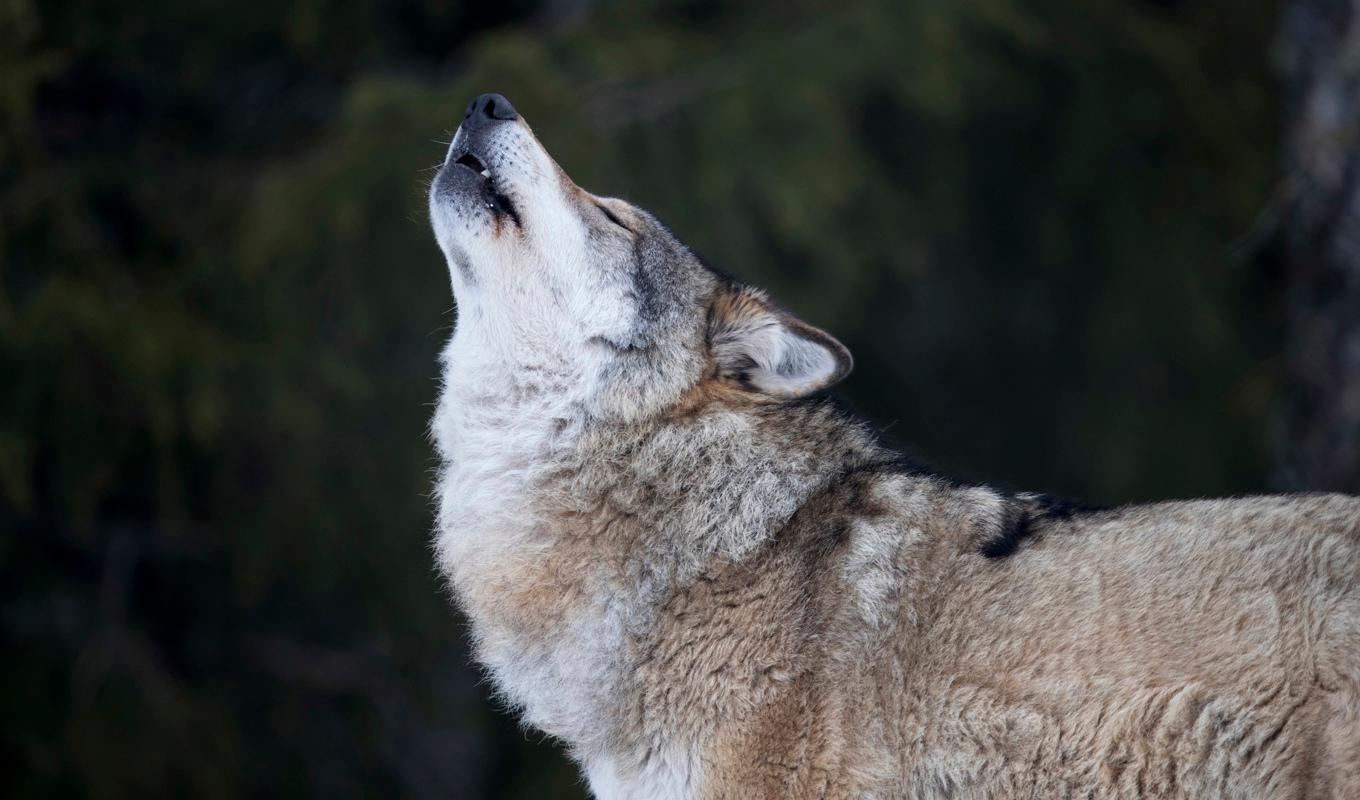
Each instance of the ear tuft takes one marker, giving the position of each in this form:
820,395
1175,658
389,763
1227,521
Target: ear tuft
769,350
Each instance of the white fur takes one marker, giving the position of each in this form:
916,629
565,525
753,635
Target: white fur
777,358
519,375
786,363
671,775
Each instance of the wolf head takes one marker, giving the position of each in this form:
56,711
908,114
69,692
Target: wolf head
550,278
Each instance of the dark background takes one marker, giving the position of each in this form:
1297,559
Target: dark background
1065,239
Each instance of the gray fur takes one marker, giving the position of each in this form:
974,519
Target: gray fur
709,583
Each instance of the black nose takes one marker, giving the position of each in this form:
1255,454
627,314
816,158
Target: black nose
487,107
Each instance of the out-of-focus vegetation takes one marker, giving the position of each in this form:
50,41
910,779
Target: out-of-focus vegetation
220,305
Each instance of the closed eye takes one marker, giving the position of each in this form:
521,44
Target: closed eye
614,219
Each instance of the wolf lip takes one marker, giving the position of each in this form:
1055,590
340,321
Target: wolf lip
490,193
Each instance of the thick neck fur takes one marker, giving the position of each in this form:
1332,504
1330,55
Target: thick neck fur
563,534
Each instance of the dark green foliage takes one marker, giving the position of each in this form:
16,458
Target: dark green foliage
220,308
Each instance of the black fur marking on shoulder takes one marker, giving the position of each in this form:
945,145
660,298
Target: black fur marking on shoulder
1030,513
1018,526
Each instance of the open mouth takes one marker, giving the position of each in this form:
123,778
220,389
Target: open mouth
474,163
491,197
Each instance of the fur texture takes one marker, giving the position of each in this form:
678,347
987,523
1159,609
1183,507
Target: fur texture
710,582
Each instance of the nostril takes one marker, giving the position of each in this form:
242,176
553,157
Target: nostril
497,107
487,107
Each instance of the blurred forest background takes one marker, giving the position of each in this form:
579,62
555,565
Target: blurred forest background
1090,247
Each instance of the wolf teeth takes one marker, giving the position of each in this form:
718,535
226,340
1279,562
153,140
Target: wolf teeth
486,173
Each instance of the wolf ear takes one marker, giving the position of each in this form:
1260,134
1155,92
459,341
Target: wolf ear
767,349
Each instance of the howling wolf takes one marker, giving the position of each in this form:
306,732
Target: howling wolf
682,560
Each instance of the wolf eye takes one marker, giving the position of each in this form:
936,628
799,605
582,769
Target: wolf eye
614,219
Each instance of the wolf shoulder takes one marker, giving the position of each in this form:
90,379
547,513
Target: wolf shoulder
1175,570
1171,582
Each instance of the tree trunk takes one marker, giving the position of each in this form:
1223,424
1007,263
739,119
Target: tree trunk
1320,50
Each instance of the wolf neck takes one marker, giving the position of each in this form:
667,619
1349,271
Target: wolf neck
562,535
